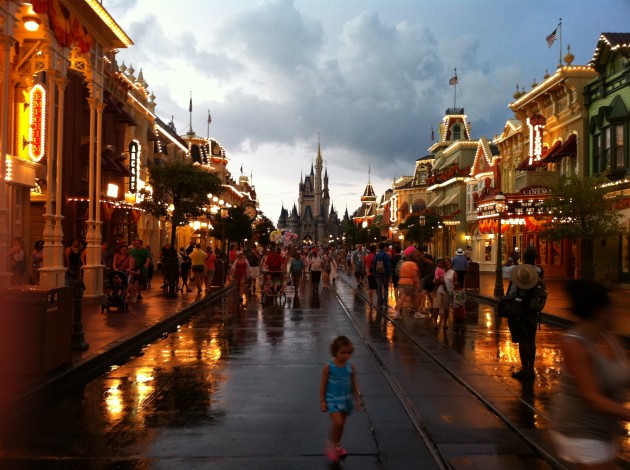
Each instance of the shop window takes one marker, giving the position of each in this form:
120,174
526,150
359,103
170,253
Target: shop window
620,158
607,142
488,251
457,132
596,154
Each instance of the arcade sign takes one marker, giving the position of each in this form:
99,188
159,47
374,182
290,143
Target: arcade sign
37,148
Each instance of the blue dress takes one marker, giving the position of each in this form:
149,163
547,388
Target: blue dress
339,388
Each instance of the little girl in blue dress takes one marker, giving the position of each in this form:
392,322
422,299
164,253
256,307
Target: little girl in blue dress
337,389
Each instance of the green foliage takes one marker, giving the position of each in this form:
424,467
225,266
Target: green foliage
580,211
414,233
184,186
262,229
364,235
236,226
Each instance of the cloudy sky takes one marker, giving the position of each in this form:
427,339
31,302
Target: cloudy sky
371,77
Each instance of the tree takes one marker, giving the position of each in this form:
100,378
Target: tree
581,213
262,229
416,233
178,191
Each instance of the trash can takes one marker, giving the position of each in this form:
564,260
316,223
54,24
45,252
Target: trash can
36,333
472,276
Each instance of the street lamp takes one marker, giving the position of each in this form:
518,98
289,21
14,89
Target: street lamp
224,216
499,207
422,220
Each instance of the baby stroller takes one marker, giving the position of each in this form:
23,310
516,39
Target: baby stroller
116,292
273,286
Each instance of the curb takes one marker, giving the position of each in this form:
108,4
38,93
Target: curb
116,352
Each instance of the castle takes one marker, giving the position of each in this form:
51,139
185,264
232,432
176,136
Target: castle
315,221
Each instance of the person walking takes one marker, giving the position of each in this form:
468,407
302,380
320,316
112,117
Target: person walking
17,261
396,258
358,265
142,258
210,261
337,389
72,257
442,299
460,265
408,284
370,274
240,272
37,261
315,269
184,268
253,258
295,270
523,326
382,269
589,406
198,266
326,269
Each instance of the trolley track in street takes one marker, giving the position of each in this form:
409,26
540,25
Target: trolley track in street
441,460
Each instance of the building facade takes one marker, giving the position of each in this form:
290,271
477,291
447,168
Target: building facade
608,101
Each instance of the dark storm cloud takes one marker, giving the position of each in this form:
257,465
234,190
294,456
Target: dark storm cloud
275,34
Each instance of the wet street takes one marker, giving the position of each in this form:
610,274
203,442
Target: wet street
238,388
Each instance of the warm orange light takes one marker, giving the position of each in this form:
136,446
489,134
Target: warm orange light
31,23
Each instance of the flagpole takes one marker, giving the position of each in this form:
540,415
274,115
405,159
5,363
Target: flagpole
455,92
560,56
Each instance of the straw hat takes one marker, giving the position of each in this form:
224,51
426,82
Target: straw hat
524,276
459,251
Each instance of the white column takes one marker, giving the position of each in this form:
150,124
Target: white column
93,270
53,272
58,232
7,43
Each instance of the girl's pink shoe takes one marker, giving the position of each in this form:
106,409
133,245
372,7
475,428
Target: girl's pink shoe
331,453
341,452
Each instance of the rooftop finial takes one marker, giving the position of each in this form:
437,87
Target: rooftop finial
190,131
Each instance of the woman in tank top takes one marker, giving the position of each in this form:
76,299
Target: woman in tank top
589,407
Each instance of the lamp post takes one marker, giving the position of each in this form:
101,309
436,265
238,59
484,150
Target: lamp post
224,216
422,220
499,207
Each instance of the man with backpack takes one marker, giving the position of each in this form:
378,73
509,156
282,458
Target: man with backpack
525,298
382,270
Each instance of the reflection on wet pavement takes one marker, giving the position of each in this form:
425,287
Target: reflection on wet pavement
186,384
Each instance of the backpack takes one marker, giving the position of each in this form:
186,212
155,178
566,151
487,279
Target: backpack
524,301
380,265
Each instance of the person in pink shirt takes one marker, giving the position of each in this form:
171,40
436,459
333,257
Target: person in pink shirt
441,301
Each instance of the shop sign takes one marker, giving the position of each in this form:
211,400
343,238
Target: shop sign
536,190
37,123
134,150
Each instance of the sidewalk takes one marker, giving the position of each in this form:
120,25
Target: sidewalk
557,309
111,337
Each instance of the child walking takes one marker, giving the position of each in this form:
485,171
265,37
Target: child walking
337,389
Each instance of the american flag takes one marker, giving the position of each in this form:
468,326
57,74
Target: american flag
453,81
552,37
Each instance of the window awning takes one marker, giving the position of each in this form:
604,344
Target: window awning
449,200
434,203
567,149
525,166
